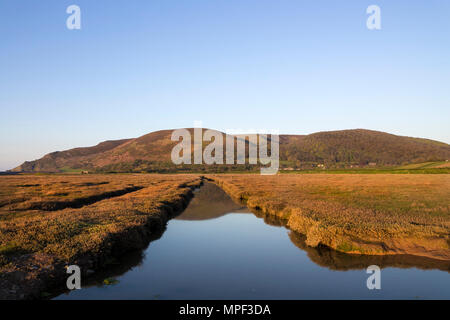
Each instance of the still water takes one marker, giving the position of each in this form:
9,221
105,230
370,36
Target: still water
217,249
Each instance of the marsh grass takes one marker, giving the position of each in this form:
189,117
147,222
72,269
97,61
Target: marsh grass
96,231
357,213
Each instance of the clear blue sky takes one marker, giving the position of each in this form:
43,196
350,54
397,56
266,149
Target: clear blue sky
296,66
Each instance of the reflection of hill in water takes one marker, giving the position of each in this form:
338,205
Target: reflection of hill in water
210,202
335,260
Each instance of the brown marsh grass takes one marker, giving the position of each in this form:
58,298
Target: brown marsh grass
355,213
33,240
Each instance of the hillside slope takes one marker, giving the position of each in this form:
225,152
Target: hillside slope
73,158
361,146
152,151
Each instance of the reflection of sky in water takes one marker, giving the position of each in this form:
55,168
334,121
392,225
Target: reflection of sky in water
238,256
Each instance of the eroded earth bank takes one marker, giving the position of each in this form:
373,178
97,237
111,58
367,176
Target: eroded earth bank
381,214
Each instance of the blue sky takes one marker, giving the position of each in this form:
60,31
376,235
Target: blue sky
140,66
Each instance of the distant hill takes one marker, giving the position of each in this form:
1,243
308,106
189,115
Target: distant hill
151,153
361,147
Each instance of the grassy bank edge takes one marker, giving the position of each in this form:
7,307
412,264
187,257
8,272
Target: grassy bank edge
48,281
337,239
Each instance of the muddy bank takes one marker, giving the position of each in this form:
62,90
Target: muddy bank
335,260
339,239
41,275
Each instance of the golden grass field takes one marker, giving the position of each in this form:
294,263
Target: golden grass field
50,221
46,221
355,213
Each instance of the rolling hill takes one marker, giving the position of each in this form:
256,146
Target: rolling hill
151,153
